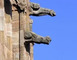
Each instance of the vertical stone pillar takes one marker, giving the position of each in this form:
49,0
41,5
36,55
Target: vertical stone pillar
20,24
2,20
5,30
8,30
22,50
26,49
15,31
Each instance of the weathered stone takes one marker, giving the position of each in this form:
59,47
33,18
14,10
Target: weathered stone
1,23
20,3
1,4
15,34
32,37
36,10
5,31
1,37
1,52
15,21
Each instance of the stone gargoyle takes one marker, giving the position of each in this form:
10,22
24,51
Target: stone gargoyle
34,8
32,37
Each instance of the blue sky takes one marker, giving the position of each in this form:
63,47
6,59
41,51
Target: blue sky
62,29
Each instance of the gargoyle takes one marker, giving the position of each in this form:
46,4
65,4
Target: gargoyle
32,37
35,8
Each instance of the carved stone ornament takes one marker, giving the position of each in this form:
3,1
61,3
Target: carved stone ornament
32,37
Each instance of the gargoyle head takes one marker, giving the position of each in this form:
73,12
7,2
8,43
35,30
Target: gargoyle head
35,6
48,40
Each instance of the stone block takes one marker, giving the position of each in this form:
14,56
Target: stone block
1,52
1,37
1,23
1,12
1,3
9,43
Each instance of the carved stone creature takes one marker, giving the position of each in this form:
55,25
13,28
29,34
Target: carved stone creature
36,10
32,37
20,3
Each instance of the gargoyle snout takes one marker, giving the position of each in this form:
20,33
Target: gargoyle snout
52,13
48,38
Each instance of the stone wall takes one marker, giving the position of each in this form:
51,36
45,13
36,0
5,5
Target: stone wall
11,36
5,30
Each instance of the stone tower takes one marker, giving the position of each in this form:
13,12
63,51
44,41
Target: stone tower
16,36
